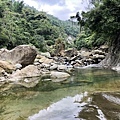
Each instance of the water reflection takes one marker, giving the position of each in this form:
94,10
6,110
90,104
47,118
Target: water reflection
20,102
65,109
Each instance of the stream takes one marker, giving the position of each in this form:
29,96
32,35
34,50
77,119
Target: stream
89,94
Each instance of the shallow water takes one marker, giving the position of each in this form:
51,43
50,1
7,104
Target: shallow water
65,109
19,103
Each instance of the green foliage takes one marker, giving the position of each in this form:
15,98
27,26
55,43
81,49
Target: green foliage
88,40
1,14
68,27
104,19
101,24
1,10
3,40
39,42
81,41
21,24
50,42
18,6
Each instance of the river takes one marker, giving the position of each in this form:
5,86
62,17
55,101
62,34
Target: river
83,96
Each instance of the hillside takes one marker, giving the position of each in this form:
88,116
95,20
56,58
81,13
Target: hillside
69,27
21,24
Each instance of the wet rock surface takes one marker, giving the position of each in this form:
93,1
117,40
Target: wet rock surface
104,106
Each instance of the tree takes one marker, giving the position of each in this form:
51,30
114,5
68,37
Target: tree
1,14
18,6
103,20
79,20
22,24
1,11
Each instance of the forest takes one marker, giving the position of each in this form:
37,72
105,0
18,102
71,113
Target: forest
22,24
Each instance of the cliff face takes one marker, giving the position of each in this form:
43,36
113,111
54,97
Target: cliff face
113,57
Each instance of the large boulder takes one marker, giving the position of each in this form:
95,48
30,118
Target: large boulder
53,66
28,71
8,67
28,76
99,52
97,56
22,54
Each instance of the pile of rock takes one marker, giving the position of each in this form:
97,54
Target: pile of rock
81,58
19,65
24,63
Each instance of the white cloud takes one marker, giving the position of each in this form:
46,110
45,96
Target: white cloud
61,9
32,3
72,4
50,9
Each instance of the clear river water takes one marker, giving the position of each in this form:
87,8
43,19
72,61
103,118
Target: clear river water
65,100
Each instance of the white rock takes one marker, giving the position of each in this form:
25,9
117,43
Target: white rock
55,74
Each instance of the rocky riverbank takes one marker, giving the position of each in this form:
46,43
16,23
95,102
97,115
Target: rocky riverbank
20,102
26,66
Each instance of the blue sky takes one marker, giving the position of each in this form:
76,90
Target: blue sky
62,9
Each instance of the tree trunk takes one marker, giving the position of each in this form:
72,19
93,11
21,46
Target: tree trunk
113,57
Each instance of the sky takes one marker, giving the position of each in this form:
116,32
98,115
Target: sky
61,9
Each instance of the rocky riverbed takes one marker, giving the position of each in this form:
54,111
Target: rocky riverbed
24,62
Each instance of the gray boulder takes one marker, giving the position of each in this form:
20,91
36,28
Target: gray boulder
28,71
22,54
